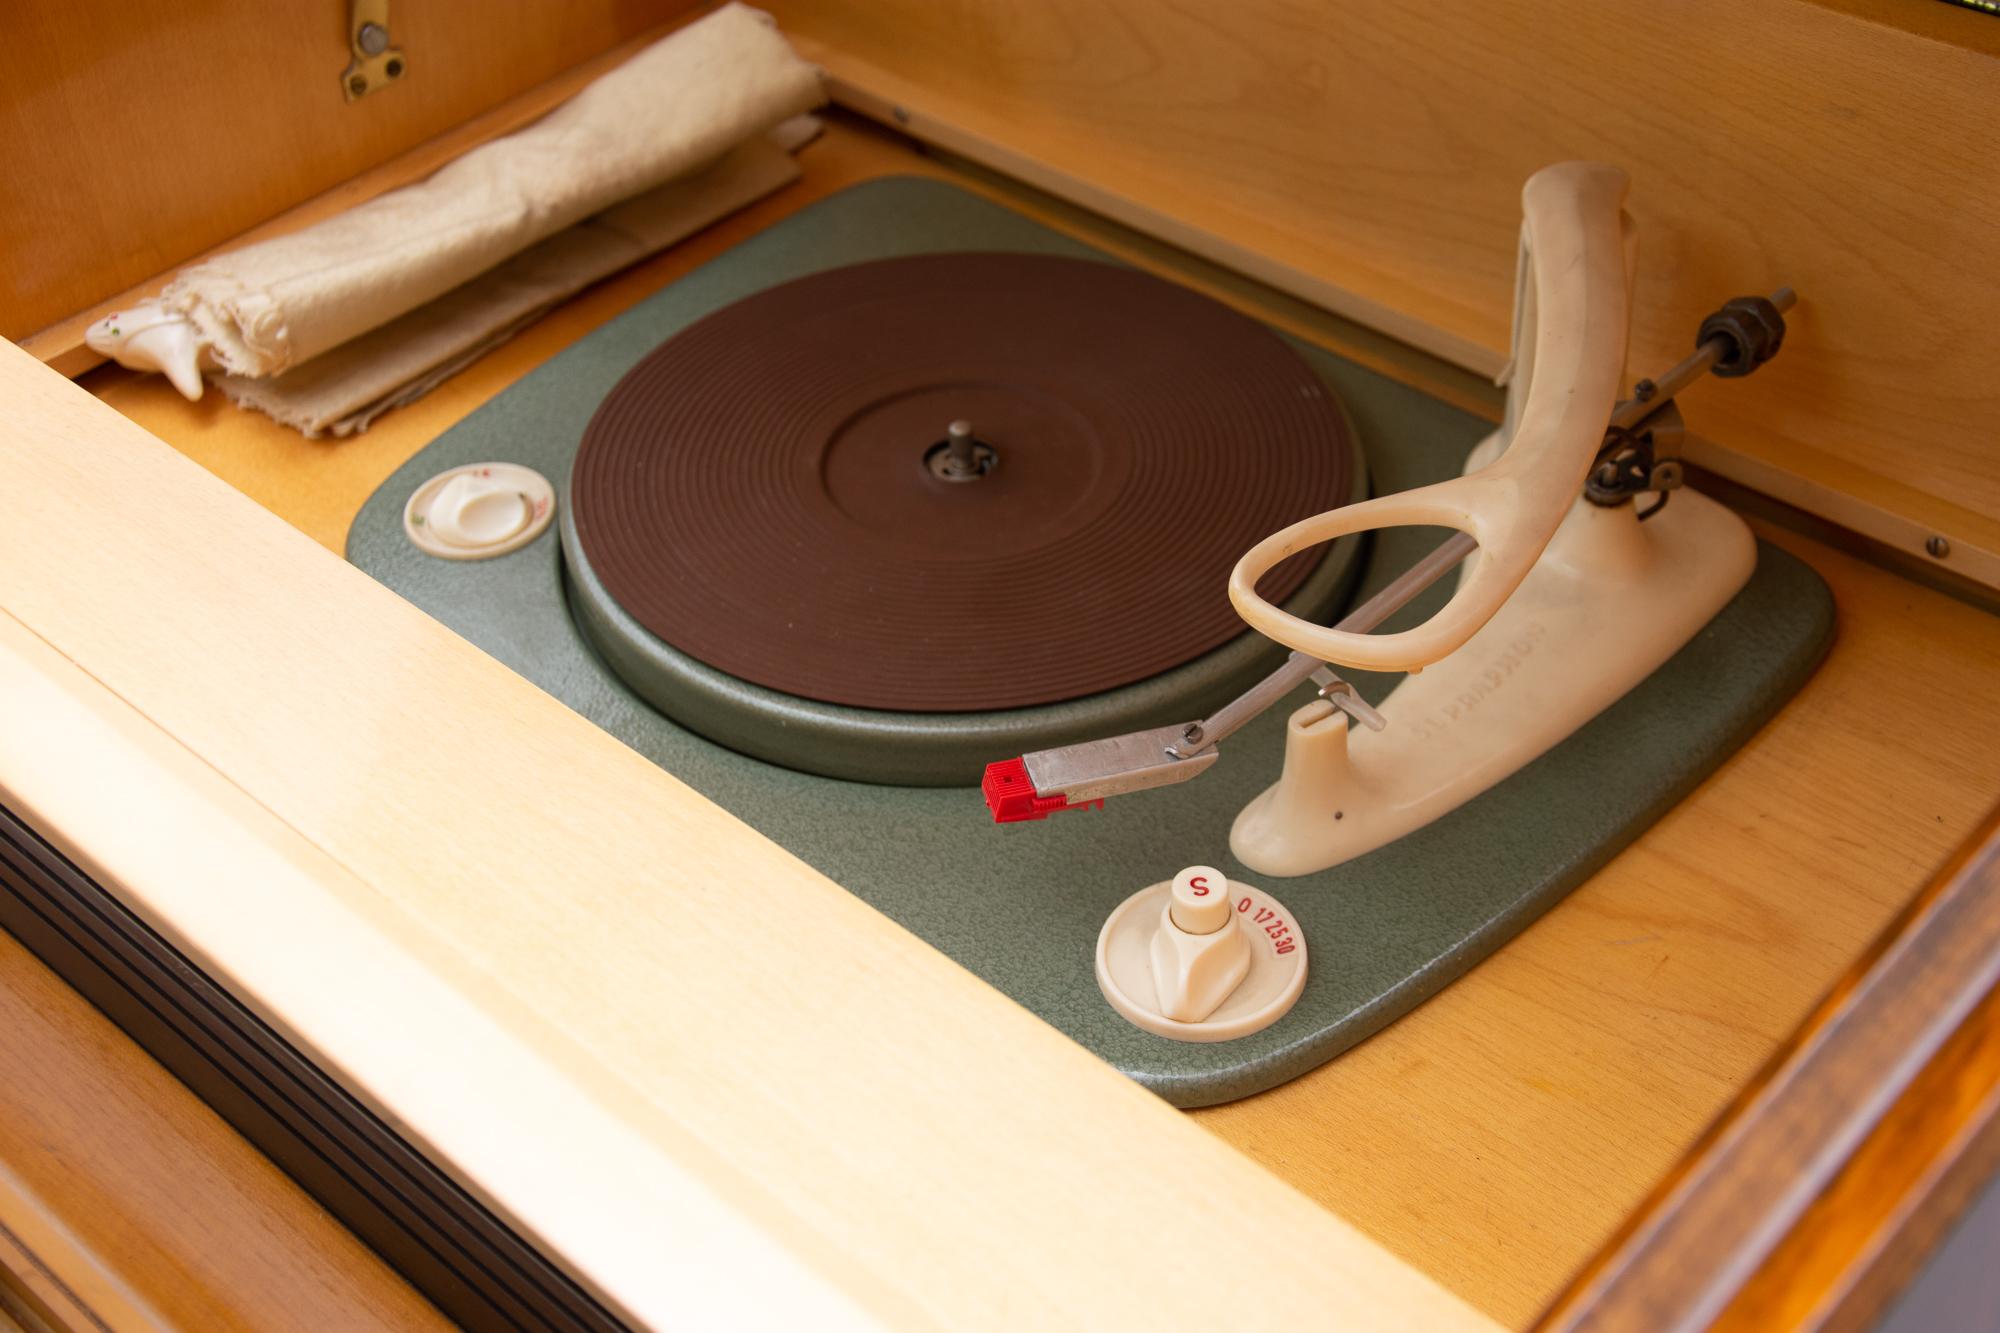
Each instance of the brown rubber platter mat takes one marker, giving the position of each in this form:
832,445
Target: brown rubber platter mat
756,491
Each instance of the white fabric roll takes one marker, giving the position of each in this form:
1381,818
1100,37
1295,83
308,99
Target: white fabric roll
674,107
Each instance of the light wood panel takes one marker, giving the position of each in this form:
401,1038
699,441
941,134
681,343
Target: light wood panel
126,1203
911,1136
139,136
1371,155
1498,1135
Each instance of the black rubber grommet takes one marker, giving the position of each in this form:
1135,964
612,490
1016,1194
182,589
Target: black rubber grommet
1754,330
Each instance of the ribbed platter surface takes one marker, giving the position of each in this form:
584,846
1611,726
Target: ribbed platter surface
755,493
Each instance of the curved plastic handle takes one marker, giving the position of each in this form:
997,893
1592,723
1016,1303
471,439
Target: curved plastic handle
1571,316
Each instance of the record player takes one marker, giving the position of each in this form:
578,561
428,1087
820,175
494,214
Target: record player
771,571
1182,558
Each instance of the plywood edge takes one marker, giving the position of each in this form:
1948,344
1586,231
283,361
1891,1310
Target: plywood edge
973,1181
1875,506
61,347
1949,23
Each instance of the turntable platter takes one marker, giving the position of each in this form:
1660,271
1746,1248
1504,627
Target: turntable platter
775,498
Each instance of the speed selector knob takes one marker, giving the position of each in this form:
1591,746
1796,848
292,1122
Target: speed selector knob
1199,900
1201,957
1199,952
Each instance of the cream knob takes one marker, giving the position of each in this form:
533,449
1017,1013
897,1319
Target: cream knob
1199,902
1235,972
479,510
472,511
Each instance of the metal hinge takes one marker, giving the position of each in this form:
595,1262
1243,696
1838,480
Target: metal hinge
376,61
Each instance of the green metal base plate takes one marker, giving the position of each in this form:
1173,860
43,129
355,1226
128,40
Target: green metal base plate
1021,904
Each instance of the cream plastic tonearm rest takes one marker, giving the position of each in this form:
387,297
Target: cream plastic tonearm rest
1599,599
1610,601
1570,322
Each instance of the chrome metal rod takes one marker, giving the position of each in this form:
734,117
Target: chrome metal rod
1636,409
1393,597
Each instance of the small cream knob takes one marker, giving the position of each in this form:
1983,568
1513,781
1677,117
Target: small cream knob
1201,958
472,511
1200,954
479,510
1200,900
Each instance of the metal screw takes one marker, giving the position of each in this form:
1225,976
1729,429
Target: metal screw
1938,548
373,39
1193,734
1644,390
902,115
394,69
357,85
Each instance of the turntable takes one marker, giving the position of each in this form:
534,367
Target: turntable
910,485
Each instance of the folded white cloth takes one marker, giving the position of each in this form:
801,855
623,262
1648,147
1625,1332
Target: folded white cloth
673,108
341,391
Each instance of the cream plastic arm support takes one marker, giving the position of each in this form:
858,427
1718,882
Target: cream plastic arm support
1571,313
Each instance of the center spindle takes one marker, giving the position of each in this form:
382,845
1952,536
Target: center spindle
960,455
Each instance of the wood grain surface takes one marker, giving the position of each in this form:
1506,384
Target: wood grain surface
128,1204
1862,1240
1829,1180
139,136
1497,1136
1372,155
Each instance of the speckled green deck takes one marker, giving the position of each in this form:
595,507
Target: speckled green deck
1021,904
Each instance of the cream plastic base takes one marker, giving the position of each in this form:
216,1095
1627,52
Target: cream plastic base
1610,600
1269,987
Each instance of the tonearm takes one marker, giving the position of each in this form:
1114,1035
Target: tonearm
1510,505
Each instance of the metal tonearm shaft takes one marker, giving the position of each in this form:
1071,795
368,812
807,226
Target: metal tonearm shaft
1299,667
1733,341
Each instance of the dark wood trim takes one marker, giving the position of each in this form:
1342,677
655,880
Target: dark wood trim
1860,1243
449,1245
1818,1192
